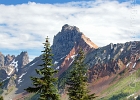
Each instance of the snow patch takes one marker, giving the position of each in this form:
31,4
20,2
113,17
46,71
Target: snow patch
121,49
71,62
5,79
15,64
63,57
32,64
11,70
108,57
8,77
104,58
22,75
128,64
74,56
136,97
134,65
55,62
19,80
130,96
57,68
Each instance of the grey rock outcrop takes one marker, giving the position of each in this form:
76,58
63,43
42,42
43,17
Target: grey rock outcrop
23,59
66,45
8,59
1,60
3,74
65,40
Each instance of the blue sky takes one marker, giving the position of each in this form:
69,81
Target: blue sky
14,2
37,1
25,24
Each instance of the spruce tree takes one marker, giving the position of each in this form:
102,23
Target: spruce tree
1,98
138,98
77,81
45,84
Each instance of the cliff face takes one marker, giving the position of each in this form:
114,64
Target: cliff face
8,59
66,45
64,41
1,60
23,59
112,59
3,74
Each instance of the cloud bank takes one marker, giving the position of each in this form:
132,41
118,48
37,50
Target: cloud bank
25,26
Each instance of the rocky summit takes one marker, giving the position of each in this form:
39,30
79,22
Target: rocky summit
70,37
66,45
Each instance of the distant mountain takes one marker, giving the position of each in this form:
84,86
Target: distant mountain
11,64
112,59
103,63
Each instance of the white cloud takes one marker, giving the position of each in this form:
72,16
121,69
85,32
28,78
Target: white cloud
25,26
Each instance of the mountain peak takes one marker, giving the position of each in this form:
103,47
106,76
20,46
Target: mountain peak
67,39
67,27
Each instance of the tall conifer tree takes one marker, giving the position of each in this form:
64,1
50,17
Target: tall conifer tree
44,85
77,81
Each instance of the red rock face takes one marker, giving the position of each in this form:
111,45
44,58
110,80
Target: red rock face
107,69
89,42
85,44
120,55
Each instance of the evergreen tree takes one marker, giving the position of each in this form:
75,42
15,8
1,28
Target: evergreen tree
77,81
0,84
138,98
45,85
1,98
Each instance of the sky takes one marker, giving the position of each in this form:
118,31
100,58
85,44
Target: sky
25,24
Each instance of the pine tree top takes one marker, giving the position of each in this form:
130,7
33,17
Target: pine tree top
45,84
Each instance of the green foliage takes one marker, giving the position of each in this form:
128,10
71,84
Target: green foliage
63,78
45,84
77,81
138,73
1,91
33,96
123,84
1,98
119,96
0,84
